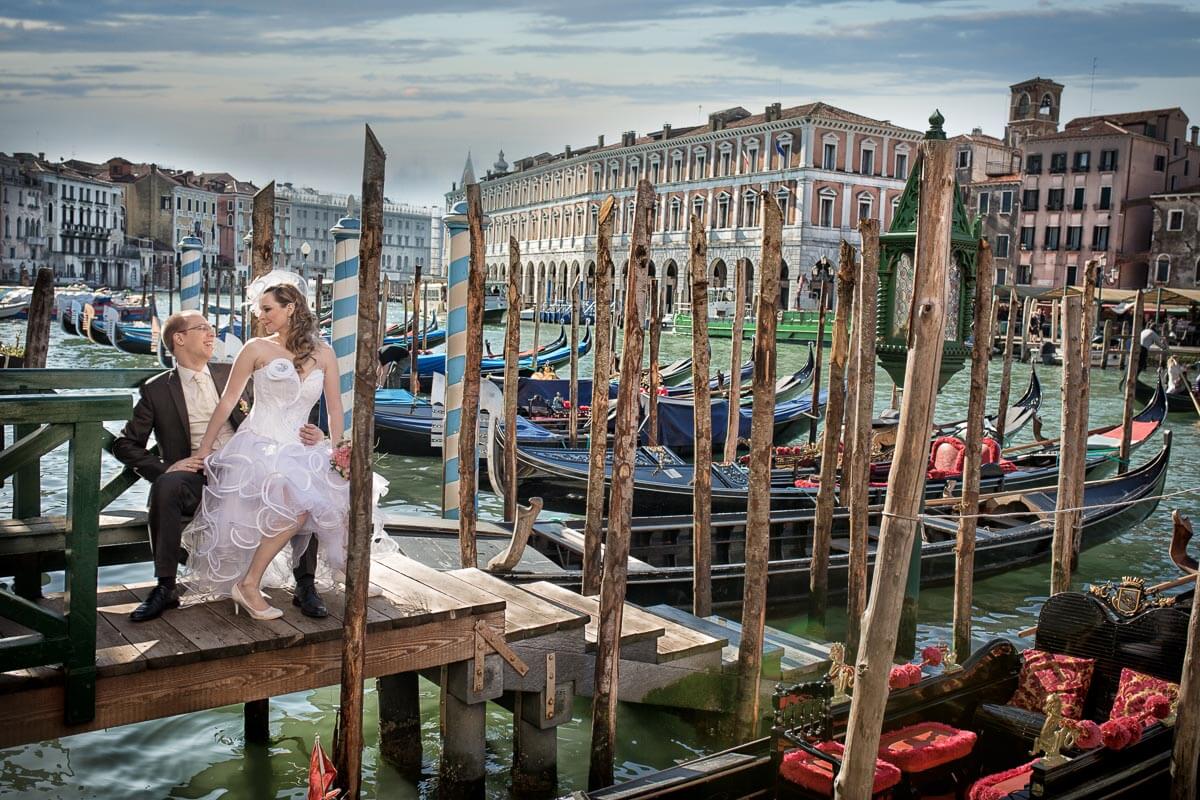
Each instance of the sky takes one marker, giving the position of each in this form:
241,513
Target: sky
281,90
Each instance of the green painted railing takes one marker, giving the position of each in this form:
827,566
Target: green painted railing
61,414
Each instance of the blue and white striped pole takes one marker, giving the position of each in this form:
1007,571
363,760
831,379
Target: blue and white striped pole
189,273
456,351
345,308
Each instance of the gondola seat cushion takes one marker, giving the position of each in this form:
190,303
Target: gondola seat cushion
815,775
1138,694
1002,784
1043,673
925,746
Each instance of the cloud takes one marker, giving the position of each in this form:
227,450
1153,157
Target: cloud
1129,40
63,85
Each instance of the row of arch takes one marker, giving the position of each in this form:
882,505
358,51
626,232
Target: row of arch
556,277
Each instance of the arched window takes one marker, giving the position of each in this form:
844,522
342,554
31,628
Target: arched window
676,165
825,210
865,205
783,151
674,221
1023,106
750,209
698,208
1046,105
866,158
725,159
783,196
722,210
1162,268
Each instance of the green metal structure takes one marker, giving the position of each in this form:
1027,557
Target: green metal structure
41,423
896,274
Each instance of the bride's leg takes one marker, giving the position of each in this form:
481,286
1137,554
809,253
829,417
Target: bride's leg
267,549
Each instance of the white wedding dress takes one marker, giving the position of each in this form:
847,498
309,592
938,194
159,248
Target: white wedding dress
261,481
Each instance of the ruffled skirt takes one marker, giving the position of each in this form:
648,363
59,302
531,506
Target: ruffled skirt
258,487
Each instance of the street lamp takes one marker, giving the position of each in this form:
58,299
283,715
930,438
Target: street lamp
248,243
821,274
305,249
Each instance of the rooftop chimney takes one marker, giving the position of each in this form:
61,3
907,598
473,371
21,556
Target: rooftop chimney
666,130
42,156
716,122
1195,135
567,150
773,112
977,131
628,138
600,140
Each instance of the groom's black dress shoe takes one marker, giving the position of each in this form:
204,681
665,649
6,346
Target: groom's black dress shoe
309,602
159,600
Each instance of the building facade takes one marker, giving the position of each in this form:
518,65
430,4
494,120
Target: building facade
1175,242
826,167
22,222
1086,193
988,173
84,224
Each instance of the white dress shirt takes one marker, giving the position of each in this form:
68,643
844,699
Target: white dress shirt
201,396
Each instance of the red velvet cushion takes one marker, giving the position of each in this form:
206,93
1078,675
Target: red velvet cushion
811,773
1002,784
924,746
1043,673
1135,689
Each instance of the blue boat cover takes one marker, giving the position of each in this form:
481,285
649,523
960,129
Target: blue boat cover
676,428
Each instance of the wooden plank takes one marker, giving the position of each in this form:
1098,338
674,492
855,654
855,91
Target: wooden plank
633,629
417,603
37,715
162,645
575,541
115,655
473,599
202,627
536,617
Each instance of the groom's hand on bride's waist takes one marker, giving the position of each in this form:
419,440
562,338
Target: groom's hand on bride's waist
311,435
189,464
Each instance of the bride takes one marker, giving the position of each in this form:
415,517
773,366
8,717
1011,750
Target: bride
264,488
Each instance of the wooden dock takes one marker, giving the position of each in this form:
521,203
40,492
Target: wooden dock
204,656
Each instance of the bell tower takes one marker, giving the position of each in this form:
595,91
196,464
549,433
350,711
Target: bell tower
1033,110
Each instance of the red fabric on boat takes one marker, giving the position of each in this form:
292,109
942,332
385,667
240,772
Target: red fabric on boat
1135,689
991,451
1141,430
1002,784
1043,673
811,773
946,454
925,745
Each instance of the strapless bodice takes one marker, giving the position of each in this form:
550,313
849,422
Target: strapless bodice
282,400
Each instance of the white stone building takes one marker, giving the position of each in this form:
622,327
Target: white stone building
827,167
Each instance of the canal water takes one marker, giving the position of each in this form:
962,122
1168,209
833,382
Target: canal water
203,755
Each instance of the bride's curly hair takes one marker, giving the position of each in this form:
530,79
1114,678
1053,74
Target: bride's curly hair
303,334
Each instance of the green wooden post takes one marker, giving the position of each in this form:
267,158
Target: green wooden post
83,542
27,502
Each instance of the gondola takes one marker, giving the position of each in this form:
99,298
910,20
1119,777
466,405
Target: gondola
554,353
407,429
785,388
133,337
676,372
676,420
687,390
663,480
1024,409
1177,402
1149,639
1015,529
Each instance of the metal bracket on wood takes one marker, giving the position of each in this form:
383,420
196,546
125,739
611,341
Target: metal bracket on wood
485,637
551,685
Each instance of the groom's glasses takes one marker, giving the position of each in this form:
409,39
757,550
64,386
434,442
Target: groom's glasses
207,329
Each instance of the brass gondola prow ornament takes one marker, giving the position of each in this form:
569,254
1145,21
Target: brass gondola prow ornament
1055,736
840,673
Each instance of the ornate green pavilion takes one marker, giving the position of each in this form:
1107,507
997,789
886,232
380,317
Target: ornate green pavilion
896,274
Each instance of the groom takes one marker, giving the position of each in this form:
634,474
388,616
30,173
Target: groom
176,407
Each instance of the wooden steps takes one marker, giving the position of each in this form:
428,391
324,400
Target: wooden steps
573,540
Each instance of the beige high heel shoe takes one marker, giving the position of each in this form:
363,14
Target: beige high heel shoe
239,600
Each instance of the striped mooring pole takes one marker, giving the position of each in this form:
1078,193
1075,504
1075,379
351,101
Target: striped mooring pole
456,351
191,248
345,307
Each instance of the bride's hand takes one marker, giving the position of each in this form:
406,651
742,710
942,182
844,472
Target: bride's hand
311,435
202,454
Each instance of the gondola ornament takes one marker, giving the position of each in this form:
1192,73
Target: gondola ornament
1056,734
840,673
1129,597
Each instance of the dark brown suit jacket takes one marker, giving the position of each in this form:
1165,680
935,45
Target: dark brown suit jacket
162,411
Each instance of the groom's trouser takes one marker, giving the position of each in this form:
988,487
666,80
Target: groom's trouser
175,496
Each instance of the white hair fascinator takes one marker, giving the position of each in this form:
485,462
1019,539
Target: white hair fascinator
274,278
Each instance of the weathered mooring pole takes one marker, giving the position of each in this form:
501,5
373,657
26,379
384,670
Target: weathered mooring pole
414,377
1006,369
814,407
964,573
620,501
733,419
1131,367
655,336
758,507
348,756
859,479
834,409
702,419
1070,463
877,644
512,345
262,253
601,377
468,455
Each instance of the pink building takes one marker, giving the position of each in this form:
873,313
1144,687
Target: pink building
1086,194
